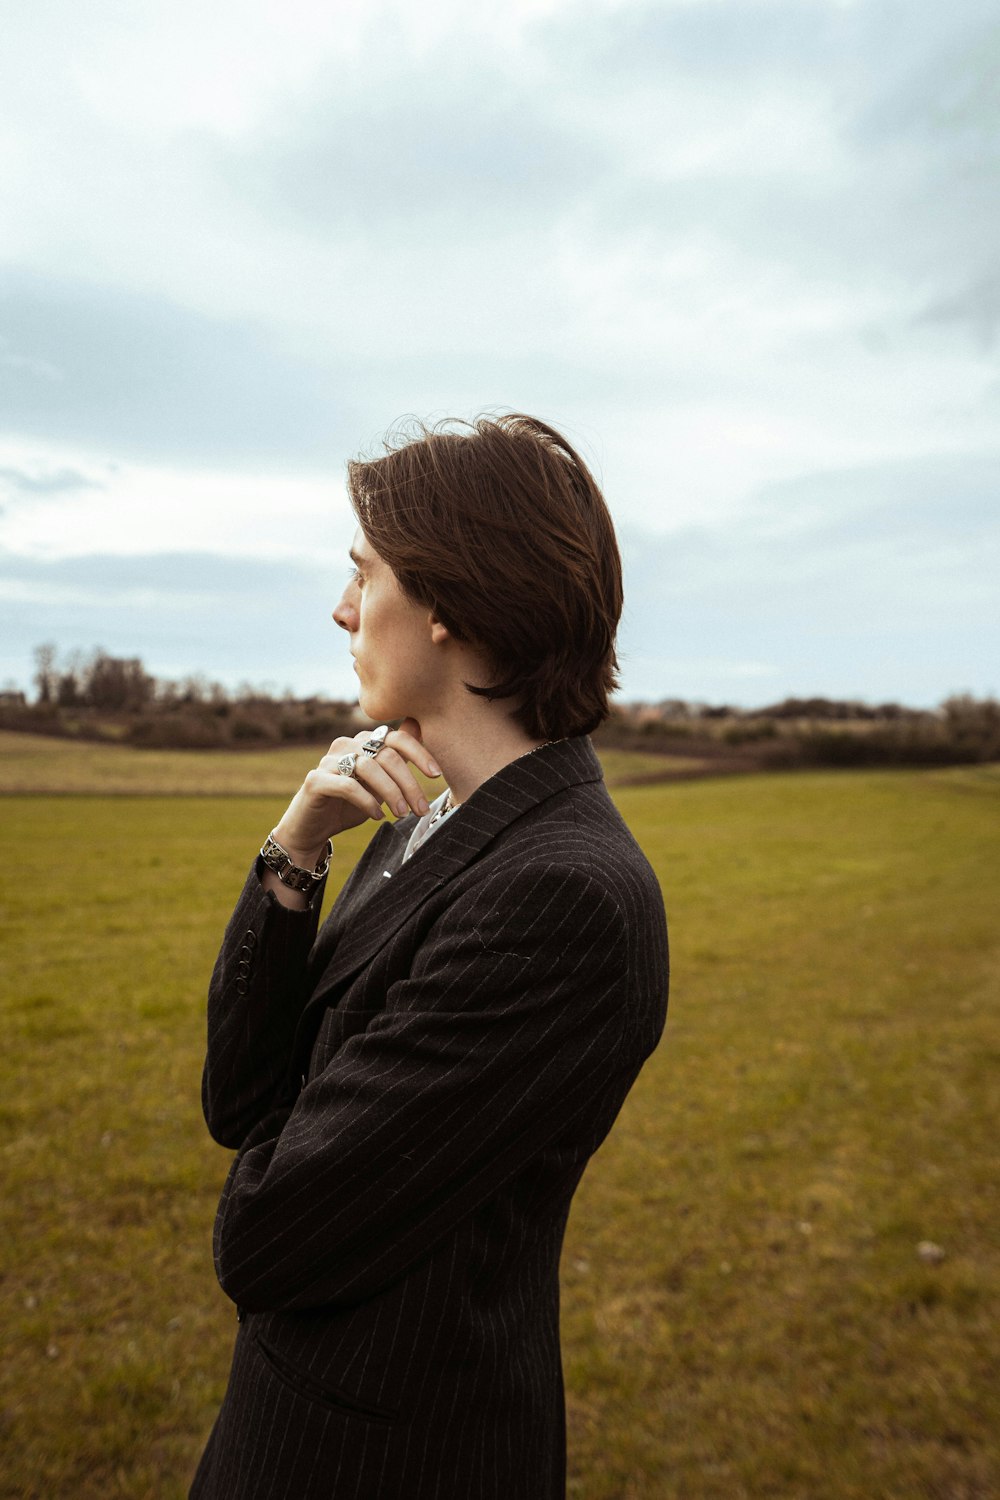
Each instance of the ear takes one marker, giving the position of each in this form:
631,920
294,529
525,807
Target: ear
439,632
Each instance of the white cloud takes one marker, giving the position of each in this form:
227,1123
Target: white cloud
126,510
729,246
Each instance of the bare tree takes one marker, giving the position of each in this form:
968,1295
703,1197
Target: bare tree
45,677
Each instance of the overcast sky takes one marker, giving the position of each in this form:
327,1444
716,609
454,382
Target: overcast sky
745,253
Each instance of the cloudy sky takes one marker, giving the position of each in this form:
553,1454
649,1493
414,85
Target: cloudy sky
745,253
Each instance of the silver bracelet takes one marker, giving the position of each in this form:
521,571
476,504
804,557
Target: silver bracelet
278,859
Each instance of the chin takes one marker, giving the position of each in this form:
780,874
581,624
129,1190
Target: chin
379,709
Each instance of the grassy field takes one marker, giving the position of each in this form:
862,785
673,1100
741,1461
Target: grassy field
745,1311
44,763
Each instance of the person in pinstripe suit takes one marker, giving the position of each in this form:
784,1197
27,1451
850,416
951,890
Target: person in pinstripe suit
413,1091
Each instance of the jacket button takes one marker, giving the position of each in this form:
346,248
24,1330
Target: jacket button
244,968
241,986
251,937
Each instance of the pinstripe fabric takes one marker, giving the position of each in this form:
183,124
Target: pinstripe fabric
413,1096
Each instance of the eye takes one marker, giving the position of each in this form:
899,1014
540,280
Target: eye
356,576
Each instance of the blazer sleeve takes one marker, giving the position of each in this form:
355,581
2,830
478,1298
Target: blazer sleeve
505,1031
255,998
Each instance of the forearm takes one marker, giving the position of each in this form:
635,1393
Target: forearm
257,990
255,999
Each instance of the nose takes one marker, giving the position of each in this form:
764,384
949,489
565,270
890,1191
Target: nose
346,612
347,609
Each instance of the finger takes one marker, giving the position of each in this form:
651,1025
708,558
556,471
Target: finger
390,778
405,742
341,745
337,752
387,776
326,783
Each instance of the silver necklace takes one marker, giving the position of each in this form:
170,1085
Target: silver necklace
447,806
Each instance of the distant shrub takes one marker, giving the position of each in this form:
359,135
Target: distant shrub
966,731
33,718
670,729
751,733
973,724
252,728
177,731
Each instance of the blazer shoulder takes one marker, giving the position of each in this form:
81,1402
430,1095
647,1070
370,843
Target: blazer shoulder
568,860
582,830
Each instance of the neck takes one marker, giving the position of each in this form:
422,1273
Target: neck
470,737
472,745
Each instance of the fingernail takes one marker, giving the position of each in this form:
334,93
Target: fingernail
424,805
434,768
402,807
378,813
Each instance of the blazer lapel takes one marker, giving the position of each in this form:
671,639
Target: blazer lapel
389,890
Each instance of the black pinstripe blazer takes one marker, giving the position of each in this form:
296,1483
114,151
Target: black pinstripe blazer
413,1098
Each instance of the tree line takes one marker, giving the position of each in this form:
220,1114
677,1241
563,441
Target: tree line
96,695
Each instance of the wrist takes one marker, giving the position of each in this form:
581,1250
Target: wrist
291,869
306,856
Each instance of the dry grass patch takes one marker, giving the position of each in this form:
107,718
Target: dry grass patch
43,763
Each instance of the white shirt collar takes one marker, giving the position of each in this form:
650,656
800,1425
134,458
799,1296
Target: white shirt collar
424,828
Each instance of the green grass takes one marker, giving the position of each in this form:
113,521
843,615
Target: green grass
744,1310
45,763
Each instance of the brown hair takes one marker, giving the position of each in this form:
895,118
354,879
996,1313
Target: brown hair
501,530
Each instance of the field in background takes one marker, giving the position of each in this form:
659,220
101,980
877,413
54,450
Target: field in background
42,763
745,1310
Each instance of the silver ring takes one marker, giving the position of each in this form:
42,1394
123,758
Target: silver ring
376,742
347,763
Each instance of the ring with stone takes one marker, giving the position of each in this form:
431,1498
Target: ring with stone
347,763
375,742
